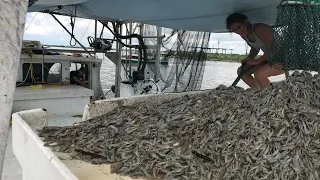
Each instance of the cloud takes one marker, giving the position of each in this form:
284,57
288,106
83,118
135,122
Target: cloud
46,29
226,37
40,24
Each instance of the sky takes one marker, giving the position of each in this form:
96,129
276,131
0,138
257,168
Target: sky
43,28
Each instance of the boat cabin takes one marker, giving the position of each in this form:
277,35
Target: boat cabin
43,80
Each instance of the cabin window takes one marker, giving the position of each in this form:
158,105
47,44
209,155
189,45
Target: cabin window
55,74
32,73
76,66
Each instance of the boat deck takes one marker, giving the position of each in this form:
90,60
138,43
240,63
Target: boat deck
11,168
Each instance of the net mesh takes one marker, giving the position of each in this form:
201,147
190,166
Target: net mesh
185,53
296,39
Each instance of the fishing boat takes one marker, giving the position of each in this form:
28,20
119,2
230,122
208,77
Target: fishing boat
43,79
133,57
40,162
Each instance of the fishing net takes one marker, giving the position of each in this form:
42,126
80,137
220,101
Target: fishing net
182,56
183,60
296,39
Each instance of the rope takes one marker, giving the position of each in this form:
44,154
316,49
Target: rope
30,69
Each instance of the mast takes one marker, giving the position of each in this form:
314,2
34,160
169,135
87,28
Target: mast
11,35
158,56
118,65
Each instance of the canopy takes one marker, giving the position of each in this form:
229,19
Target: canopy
193,15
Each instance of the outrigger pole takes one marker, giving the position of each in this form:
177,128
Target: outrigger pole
12,22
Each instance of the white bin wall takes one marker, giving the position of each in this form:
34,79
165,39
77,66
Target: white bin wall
37,162
102,107
61,106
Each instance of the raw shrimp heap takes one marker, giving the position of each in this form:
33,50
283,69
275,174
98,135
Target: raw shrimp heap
227,133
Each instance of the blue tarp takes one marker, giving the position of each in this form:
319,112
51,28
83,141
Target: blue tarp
194,15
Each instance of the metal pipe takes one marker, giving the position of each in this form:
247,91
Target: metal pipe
13,11
158,48
130,53
71,35
177,74
141,34
177,62
118,66
101,33
42,69
55,46
95,32
95,29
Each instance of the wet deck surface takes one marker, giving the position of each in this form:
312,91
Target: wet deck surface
11,168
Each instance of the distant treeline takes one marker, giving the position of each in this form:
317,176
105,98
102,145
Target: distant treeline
213,56
226,57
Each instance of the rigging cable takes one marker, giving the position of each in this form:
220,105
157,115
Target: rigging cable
73,21
31,22
85,30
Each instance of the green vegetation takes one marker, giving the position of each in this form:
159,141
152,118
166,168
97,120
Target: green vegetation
211,56
226,57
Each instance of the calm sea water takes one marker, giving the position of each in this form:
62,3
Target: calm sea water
215,74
